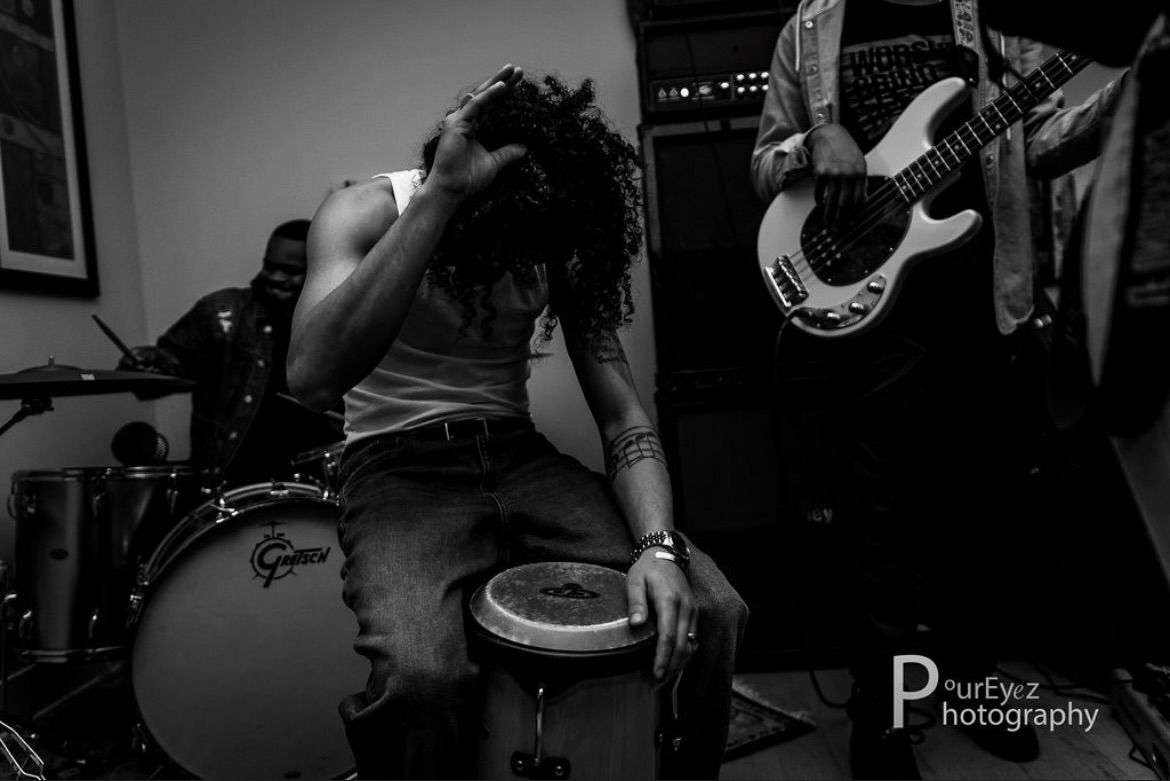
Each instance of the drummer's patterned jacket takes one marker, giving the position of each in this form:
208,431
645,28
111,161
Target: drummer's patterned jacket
225,342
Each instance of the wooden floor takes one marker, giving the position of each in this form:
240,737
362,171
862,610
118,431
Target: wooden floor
97,727
1065,752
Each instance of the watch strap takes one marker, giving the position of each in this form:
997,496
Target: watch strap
668,556
662,539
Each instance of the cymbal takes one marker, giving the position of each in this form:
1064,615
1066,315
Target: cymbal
55,380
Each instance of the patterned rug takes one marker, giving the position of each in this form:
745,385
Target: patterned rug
757,723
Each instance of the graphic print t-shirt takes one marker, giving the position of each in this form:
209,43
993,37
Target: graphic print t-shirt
889,54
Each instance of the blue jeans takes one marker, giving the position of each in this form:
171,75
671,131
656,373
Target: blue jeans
424,522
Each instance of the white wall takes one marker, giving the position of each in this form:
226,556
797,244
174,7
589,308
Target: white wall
209,122
242,114
32,327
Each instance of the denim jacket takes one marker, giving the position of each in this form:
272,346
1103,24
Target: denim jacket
225,344
803,93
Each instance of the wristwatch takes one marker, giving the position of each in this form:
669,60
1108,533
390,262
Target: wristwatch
671,542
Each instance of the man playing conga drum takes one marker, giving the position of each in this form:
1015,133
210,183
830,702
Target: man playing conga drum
422,319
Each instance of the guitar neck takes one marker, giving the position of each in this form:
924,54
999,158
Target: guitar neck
948,155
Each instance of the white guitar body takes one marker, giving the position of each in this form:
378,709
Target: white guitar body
842,309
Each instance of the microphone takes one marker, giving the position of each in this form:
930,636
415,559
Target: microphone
139,444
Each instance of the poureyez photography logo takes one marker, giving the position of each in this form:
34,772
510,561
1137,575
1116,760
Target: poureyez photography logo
991,701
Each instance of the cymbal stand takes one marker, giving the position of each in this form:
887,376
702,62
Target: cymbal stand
34,405
5,606
20,755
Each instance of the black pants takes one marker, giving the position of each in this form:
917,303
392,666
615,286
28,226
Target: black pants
927,413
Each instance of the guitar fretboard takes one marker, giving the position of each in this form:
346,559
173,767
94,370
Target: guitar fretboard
916,179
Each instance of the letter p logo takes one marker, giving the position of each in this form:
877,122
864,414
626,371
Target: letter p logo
900,693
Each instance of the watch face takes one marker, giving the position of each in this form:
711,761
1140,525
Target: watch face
679,544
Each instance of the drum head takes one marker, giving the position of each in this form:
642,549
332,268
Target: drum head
244,649
560,607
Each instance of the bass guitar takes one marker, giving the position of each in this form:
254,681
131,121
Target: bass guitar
841,281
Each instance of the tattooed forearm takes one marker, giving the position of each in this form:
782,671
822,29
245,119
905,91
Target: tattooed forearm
631,446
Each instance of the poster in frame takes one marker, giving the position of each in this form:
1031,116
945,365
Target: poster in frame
46,224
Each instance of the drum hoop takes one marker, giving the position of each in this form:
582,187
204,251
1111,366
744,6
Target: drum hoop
634,649
275,490
152,470
196,526
82,473
72,474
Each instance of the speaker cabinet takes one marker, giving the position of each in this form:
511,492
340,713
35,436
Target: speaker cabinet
749,469
711,310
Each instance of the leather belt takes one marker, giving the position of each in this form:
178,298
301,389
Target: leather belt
468,428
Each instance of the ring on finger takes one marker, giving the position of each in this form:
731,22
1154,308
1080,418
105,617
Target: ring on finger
693,639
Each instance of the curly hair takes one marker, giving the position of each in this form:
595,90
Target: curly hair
572,203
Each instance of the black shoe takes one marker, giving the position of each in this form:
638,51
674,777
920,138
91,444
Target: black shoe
876,749
999,740
881,754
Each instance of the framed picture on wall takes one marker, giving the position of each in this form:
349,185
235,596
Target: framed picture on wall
46,225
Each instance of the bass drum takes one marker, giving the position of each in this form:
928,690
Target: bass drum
242,647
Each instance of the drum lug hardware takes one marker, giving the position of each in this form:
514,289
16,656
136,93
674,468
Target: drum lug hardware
94,621
30,506
534,765
6,605
670,735
537,768
25,625
135,607
224,512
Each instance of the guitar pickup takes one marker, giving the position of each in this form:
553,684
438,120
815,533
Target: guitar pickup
788,283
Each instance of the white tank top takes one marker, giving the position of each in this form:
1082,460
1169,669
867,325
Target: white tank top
432,372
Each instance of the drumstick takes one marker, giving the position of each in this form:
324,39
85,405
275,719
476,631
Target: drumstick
327,413
114,338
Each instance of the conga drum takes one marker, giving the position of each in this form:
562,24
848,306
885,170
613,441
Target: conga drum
567,684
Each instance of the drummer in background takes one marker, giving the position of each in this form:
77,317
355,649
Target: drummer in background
233,343
423,294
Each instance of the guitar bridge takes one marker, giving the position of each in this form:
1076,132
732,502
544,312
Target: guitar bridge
787,283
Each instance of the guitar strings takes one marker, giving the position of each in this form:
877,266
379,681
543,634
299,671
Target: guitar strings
882,198
828,247
876,210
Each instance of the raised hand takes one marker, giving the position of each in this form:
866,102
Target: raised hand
462,166
145,359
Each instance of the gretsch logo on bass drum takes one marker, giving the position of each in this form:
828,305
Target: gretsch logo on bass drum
275,556
570,591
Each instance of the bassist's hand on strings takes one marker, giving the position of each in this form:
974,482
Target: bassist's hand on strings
838,167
